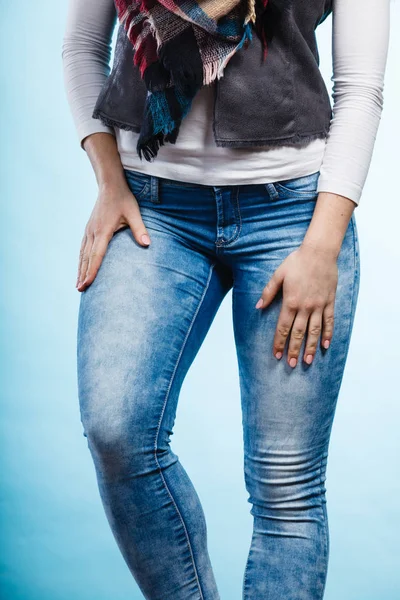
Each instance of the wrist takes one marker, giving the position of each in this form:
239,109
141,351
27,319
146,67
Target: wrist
104,156
109,182
328,225
323,247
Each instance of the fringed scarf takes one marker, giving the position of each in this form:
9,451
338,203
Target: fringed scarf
181,46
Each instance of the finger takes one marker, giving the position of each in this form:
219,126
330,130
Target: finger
328,321
271,289
81,258
313,334
85,260
283,327
83,243
297,336
96,255
138,228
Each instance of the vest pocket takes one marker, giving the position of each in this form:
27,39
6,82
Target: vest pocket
298,187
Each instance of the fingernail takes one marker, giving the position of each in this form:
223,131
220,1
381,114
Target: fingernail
145,239
259,303
326,344
278,355
309,358
293,362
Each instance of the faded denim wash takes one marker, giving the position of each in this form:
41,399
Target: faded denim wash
141,324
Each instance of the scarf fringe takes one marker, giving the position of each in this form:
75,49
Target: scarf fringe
148,148
216,69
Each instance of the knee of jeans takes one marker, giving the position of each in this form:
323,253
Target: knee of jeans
285,481
118,447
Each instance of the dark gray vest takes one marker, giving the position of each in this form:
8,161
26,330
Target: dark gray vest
282,100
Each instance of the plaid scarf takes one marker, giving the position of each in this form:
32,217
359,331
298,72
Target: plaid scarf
181,45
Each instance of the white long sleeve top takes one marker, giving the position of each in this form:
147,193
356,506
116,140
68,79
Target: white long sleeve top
360,35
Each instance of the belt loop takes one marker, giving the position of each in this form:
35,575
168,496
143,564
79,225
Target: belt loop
155,189
272,191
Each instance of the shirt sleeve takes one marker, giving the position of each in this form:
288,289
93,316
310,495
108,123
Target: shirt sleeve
360,37
86,53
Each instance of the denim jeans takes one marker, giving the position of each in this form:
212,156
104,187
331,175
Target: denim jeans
141,323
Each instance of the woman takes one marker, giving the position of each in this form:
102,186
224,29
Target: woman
220,170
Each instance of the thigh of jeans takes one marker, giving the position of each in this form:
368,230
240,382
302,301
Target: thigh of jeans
285,407
146,311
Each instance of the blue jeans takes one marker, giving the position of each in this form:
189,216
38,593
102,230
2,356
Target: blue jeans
141,324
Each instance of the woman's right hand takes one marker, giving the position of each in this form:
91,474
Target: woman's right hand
115,208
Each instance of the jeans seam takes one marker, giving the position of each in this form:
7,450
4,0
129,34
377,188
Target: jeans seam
222,243
326,533
161,418
355,250
220,215
348,337
354,286
246,570
235,236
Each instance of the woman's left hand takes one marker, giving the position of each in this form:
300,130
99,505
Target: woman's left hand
309,276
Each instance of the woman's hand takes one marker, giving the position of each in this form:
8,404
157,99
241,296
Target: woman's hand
309,278
115,208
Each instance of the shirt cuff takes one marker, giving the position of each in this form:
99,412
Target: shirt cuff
92,126
338,186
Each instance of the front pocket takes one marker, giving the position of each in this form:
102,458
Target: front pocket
298,187
139,184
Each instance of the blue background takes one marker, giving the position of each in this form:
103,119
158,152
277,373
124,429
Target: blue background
56,543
